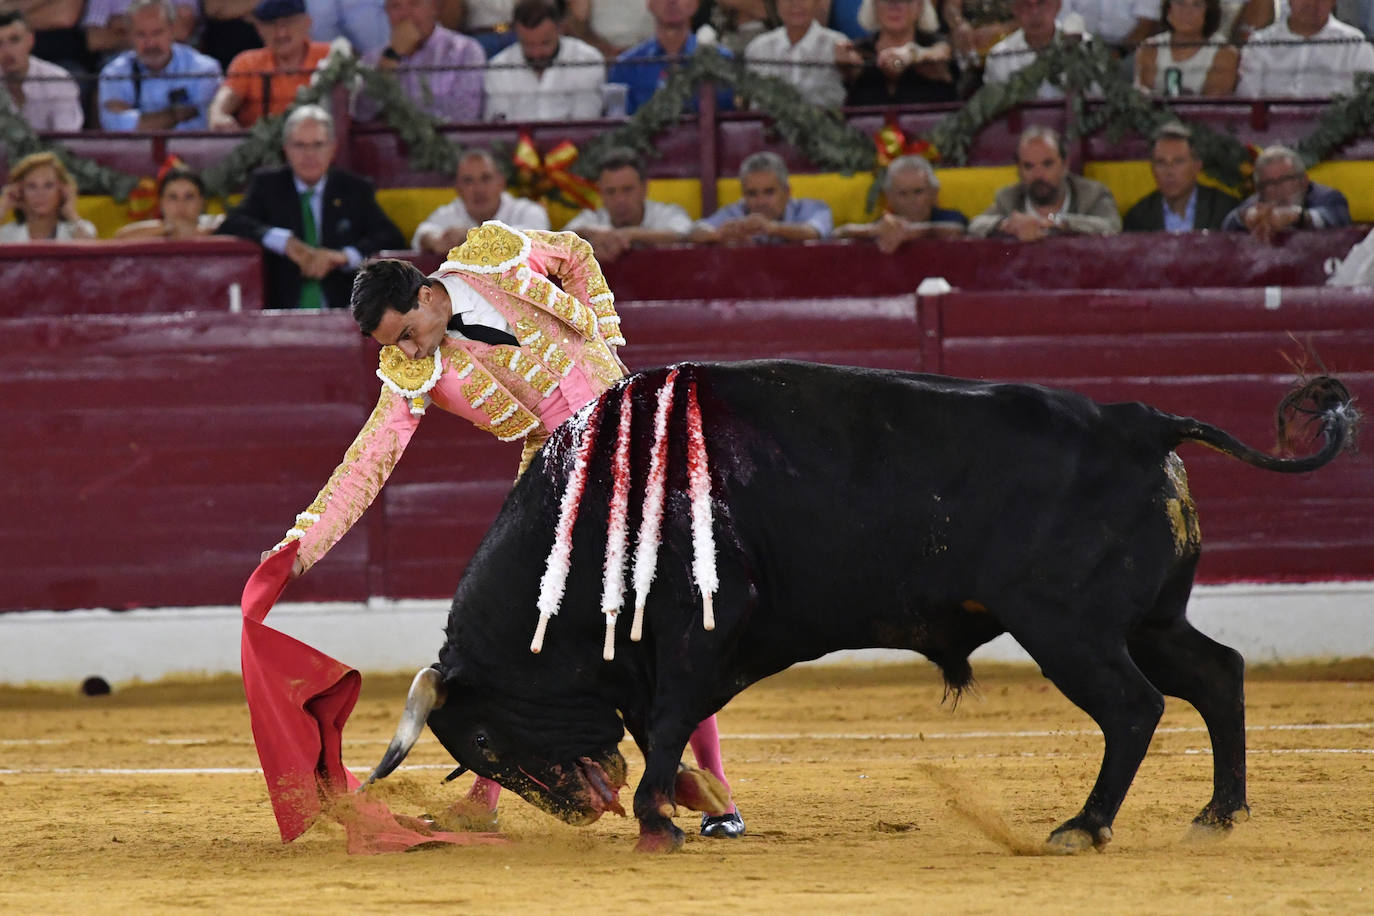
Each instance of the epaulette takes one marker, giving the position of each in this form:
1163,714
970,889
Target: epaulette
490,248
410,378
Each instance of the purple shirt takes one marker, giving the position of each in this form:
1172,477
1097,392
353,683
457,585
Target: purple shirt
100,12
453,95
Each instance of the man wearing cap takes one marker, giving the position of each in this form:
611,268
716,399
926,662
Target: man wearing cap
317,223
515,332
264,81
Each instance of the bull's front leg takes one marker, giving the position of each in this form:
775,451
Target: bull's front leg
667,783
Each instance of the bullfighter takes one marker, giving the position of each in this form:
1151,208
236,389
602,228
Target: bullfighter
490,337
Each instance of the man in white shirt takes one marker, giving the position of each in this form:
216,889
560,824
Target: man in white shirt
1308,54
627,217
44,93
482,195
544,76
1039,29
801,52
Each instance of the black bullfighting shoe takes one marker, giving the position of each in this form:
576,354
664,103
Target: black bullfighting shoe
722,826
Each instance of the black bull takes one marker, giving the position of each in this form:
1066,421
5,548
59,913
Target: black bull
851,508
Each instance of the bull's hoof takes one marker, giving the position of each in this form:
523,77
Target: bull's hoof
1210,826
1068,841
722,826
659,840
700,791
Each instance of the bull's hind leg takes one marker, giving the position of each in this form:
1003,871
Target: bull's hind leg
1184,663
1103,681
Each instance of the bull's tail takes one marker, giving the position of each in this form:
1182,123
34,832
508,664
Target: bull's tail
1322,401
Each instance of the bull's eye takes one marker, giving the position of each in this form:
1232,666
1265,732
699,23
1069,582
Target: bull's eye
481,740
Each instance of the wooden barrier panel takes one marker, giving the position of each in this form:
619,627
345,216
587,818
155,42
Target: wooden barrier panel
98,277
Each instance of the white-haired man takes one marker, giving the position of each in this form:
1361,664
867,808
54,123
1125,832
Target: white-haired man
910,191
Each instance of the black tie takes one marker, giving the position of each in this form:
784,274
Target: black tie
481,332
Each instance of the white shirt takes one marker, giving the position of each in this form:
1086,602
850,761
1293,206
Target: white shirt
52,100
1110,20
469,303
1307,68
1012,54
19,232
515,212
623,24
657,216
809,65
569,90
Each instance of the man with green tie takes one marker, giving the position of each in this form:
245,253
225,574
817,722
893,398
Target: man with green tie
316,223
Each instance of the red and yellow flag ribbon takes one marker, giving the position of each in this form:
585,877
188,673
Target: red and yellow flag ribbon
143,198
540,175
892,144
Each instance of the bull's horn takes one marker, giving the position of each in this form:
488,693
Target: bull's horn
426,695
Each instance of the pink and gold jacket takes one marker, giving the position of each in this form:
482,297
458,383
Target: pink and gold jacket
566,357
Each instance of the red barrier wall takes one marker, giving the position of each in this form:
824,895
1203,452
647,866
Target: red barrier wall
90,278
149,458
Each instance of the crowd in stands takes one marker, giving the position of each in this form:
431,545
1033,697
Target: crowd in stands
548,59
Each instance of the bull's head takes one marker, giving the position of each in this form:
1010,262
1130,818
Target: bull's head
562,759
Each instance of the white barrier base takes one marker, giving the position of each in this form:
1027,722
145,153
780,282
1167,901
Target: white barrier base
1266,623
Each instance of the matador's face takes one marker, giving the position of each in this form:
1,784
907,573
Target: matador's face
419,331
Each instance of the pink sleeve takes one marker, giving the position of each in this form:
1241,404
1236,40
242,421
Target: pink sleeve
356,481
568,258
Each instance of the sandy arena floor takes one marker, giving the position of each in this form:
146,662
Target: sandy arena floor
862,794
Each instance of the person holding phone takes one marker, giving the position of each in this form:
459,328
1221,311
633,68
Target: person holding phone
160,84
42,197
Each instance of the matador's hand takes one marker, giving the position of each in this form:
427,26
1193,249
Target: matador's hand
297,568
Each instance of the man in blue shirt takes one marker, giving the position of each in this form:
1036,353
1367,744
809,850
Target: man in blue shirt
766,213
160,84
642,67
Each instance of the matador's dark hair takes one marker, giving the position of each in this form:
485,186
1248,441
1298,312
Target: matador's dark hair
386,283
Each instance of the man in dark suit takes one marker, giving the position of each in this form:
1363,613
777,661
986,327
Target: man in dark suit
1180,204
316,223
1285,198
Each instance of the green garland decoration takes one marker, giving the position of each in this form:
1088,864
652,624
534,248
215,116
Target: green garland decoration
821,135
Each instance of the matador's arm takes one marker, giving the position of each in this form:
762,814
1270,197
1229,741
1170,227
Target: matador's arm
356,481
568,258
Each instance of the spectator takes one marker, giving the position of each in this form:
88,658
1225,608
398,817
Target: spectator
489,21
227,29
627,217
317,223
42,197
645,68
108,25
361,22
57,34
44,93
1180,204
417,44
482,195
1190,58
901,63
910,190
181,205
608,27
1119,24
159,85
1286,198
264,81
1309,54
767,212
802,52
1048,200
1039,29
1253,16
544,77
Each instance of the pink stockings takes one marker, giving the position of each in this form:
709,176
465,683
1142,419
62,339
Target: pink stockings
705,744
